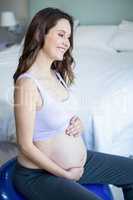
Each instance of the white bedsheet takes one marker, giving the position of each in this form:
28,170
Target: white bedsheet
104,88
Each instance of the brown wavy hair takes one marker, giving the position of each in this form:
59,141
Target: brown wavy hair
40,25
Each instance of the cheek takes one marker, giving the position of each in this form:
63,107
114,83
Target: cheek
53,38
49,39
49,45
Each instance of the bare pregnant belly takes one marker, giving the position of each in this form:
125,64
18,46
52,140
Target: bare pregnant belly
68,151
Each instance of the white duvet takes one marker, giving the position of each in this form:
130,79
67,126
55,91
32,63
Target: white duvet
104,88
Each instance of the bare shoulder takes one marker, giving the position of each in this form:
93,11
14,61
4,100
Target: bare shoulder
25,88
26,83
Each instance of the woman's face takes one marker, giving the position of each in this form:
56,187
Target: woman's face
57,40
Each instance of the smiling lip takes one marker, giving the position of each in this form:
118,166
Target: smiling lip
62,49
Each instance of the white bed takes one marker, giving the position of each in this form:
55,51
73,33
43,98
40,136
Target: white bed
103,86
8,62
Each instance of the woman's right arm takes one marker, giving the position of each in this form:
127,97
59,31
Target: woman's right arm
25,101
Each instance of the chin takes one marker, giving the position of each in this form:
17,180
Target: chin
59,58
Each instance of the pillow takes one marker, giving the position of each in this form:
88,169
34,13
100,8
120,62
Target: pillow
122,40
76,22
94,36
126,25
75,25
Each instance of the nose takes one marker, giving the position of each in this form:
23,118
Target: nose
66,43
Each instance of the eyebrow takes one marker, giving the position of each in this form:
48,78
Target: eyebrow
64,31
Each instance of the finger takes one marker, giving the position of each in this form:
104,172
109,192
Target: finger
76,126
75,123
67,132
74,132
71,129
73,119
77,135
71,132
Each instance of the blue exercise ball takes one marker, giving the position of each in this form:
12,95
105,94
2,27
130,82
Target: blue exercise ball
101,190
8,192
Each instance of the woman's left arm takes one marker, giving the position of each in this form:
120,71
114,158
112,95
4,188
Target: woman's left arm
75,127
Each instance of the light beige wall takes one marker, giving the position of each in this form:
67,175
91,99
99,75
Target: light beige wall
19,7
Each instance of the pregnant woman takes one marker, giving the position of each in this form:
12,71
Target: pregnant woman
53,161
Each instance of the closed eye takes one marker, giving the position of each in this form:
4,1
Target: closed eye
61,35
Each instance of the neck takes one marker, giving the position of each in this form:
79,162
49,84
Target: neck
42,65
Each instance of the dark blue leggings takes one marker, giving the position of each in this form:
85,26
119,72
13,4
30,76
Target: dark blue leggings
38,184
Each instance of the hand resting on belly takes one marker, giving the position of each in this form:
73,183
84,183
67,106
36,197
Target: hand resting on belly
68,151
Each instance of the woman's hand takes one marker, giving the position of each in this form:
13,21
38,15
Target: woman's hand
75,127
75,173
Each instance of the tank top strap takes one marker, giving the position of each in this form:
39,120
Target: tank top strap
62,80
29,75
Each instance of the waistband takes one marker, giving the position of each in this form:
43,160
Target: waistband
20,167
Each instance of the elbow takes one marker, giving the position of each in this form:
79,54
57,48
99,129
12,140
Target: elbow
25,148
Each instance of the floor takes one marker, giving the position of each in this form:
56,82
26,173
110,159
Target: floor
117,193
